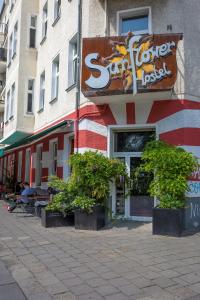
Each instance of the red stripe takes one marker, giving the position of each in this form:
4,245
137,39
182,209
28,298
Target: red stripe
182,136
60,172
45,174
130,113
89,139
61,142
101,114
165,108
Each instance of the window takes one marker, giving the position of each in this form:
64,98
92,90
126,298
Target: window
57,9
32,33
10,49
12,100
54,157
7,106
134,20
30,96
28,165
12,3
42,91
14,49
44,20
39,165
73,57
132,141
55,78
19,169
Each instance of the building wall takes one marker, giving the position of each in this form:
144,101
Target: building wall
57,42
22,67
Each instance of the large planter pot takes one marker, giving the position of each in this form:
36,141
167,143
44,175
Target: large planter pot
92,221
56,219
168,221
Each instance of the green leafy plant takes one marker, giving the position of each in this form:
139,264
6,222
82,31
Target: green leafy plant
62,202
92,174
171,167
85,203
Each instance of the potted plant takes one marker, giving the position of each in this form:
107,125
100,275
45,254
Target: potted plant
59,212
92,174
171,167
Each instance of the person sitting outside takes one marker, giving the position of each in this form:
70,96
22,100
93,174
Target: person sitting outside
27,192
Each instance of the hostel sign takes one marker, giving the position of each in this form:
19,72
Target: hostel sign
132,64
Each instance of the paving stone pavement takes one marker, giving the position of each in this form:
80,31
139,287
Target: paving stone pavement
9,289
122,262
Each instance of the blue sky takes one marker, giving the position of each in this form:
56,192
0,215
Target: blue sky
1,1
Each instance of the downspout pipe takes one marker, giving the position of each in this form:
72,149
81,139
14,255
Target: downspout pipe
78,74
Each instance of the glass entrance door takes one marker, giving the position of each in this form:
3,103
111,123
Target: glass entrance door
141,203
128,147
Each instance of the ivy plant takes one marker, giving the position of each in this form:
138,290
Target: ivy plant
171,167
89,184
62,201
92,174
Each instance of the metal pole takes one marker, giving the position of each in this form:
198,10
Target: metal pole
78,73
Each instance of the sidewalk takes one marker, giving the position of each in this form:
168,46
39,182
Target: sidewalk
121,263
9,289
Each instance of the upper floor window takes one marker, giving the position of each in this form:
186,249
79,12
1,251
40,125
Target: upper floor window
55,78
7,106
136,20
14,50
57,9
12,101
44,20
30,96
42,91
10,49
12,3
72,61
32,32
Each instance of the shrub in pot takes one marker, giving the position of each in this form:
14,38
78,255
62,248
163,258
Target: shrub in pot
92,174
59,212
171,167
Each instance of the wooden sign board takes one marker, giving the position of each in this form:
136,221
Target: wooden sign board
131,64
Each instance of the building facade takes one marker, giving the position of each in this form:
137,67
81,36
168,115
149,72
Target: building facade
45,120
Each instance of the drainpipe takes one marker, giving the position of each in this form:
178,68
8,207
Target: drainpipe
78,73
106,17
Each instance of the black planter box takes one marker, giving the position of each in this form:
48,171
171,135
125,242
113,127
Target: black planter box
56,219
38,210
92,221
168,221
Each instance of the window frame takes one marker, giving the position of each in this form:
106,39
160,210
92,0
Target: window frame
55,73
31,27
39,165
44,21
27,164
30,92
57,10
15,36
53,157
42,91
7,106
131,13
72,61
10,49
12,100
19,166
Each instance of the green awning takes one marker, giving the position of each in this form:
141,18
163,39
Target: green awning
15,137
1,152
36,136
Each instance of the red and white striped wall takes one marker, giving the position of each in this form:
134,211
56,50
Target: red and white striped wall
176,121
